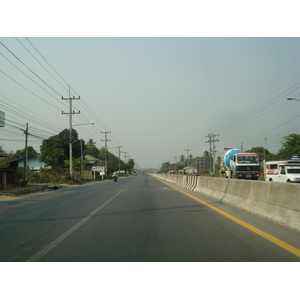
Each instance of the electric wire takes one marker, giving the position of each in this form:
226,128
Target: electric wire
29,70
41,63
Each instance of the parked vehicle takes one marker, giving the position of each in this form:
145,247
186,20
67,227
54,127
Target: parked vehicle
196,174
236,164
283,171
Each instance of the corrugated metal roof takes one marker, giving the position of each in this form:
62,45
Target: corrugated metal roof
20,158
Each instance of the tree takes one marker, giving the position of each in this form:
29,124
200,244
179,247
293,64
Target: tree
206,154
90,148
261,151
165,168
290,146
4,160
91,142
130,165
21,153
55,150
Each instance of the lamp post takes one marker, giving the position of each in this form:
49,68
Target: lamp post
290,98
90,123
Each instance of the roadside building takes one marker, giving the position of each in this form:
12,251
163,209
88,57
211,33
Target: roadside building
33,162
189,170
92,161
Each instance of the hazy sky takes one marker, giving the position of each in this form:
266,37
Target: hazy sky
160,77
157,96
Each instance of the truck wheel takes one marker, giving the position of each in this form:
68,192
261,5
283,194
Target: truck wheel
270,179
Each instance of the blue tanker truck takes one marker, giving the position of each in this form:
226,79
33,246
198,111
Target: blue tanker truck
237,164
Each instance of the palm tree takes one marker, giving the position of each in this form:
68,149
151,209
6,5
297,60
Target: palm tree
91,142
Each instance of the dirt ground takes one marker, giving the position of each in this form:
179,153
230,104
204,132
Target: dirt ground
16,192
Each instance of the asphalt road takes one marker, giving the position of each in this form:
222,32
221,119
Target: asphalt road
136,219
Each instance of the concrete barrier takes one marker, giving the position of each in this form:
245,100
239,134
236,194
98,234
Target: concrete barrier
276,202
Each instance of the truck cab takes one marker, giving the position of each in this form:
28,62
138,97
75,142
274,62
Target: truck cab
245,165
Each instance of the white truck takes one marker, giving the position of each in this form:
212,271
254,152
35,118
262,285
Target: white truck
283,171
237,164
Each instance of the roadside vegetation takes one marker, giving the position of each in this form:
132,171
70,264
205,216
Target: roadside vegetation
290,146
54,153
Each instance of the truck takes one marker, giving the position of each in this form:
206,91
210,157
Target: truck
283,171
237,164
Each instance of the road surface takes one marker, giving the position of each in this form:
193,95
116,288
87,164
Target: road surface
136,219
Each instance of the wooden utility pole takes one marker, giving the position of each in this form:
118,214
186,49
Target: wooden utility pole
24,183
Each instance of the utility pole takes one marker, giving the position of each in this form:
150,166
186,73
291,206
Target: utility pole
175,163
212,149
106,140
81,154
24,183
128,156
265,158
119,147
187,158
125,156
70,113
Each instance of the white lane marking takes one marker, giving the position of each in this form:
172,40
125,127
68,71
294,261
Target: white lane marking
53,244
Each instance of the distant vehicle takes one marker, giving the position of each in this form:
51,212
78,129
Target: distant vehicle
115,176
134,173
196,174
236,164
283,171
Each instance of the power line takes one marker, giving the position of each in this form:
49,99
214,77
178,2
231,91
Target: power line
46,61
29,70
40,62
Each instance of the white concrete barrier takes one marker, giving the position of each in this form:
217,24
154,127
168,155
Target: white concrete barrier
277,202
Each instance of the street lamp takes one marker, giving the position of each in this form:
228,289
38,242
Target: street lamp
90,123
290,98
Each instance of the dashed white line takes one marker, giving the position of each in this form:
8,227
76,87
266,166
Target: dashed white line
53,244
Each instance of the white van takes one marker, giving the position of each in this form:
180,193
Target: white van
283,171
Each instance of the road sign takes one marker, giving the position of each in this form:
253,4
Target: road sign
98,168
295,157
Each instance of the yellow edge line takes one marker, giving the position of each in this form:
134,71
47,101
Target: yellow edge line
242,223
